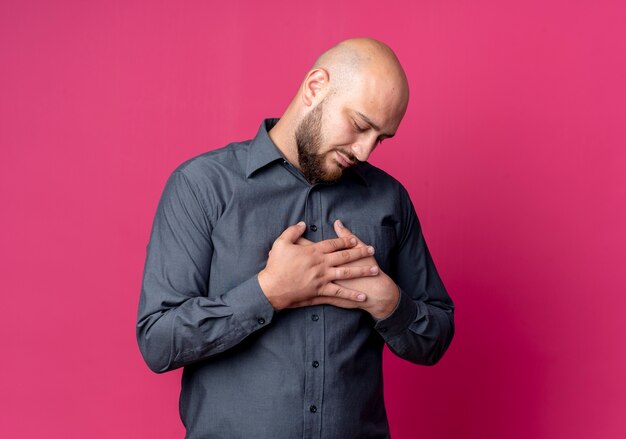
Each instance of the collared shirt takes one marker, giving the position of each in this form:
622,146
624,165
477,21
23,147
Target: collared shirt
253,372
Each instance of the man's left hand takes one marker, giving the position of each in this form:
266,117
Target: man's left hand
382,292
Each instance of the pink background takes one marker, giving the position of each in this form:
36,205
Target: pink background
513,150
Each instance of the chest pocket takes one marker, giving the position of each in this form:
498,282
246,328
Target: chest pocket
382,238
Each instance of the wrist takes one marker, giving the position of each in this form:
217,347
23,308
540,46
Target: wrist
265,282
390,305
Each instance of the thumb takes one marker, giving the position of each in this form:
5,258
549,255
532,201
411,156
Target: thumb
292,233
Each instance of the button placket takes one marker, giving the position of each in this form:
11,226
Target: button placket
315,332
314,374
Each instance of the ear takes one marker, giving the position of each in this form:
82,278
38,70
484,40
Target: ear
314,86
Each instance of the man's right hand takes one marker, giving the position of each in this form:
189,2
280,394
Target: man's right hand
296,273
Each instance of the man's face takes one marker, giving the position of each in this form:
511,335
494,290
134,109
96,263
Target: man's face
343,130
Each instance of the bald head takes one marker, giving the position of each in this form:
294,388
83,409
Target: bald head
352,99
352,59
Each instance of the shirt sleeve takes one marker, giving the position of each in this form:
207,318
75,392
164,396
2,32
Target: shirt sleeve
421,326
178,323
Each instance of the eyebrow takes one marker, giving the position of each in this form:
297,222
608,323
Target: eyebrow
372,124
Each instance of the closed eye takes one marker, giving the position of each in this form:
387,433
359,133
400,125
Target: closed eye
359,128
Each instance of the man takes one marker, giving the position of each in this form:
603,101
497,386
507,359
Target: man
279,267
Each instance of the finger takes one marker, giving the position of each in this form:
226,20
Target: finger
353,254
325,300
304,241
292,233
332,245
334,290
353,272
342,231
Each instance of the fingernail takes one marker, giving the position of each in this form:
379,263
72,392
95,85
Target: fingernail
353,242
340,224
360,297
374,270
370,250
301,224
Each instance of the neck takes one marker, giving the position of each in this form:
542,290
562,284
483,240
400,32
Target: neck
283,136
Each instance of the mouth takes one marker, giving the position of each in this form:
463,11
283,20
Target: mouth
343,160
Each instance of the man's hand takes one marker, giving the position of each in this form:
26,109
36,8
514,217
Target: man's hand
382,292
298,274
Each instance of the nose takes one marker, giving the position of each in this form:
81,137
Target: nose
363,148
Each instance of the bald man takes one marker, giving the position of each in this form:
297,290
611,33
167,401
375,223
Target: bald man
279,267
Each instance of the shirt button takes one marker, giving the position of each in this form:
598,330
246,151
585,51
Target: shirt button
313,228
316,364
313,409
261,321
315,317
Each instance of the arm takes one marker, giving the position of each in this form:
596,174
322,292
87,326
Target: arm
177,322
421,326
412,311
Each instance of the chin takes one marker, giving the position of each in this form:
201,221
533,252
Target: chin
333,172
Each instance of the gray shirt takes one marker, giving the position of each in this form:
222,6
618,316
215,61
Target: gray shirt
253,372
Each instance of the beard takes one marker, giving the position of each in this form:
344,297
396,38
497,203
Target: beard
309,141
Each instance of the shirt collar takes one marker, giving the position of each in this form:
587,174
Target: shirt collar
263,151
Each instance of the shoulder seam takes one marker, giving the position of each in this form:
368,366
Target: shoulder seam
197,197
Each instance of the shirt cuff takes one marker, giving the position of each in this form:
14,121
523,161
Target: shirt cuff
250,306
400,318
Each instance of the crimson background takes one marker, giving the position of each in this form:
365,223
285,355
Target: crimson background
512,150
